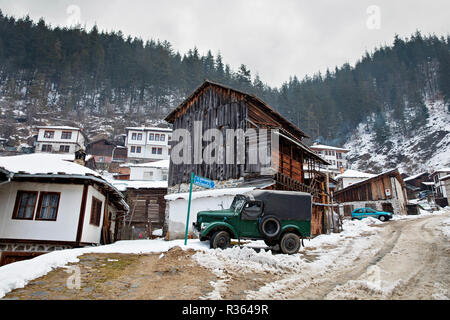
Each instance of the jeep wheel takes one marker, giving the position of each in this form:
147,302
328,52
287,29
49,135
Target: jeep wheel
220,239
290,243
270,227
382,218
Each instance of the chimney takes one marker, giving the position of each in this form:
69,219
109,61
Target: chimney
80,157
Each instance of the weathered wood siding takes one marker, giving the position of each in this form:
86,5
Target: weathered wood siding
217,109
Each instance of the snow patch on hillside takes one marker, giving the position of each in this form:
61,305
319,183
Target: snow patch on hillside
426,149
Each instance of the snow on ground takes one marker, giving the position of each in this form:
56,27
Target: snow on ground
326,251
18,274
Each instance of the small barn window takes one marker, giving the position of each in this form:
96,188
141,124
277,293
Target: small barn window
48,206
25,204
96,211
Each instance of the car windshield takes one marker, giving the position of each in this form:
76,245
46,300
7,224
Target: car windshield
238,203
370,210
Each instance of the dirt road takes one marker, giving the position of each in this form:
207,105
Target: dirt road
404,259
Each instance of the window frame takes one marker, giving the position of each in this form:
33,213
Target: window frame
151,137
46,148
39,208
51,134
162,137
138,150
132,149
65,147
68,135
91,220
17,204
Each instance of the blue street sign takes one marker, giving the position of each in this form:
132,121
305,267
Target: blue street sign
203,182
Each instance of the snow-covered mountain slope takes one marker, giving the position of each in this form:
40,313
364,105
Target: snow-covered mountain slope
423,149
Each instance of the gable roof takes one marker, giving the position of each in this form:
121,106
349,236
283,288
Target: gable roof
264,106
349,173
54,167
393,172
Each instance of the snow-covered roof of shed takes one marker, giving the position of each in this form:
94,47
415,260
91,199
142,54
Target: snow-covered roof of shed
155,164
45,163
354,174
414,176
208,193
123,185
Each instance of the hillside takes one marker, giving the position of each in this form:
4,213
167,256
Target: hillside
104,81
419,150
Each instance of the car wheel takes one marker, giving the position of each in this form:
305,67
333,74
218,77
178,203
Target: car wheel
220,239
382,218
270,227
290,243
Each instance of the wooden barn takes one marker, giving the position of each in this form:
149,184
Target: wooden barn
219,107
147,209
385,192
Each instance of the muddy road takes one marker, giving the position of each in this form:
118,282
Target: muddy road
402,259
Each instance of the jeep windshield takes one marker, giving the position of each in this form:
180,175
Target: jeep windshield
238,203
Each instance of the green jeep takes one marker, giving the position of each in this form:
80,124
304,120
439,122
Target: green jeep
278,217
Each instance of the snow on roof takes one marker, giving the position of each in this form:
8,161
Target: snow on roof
445,169
414,176
322,146
148,129
445,177
123,185
208,193
354,174
428,183
58,127
45,163
155,164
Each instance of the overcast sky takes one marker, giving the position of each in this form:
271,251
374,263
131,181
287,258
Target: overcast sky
277,39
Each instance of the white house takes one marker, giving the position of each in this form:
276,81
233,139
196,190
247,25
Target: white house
60,139
148,143
350,177
439,185
150,171
47,203
335,156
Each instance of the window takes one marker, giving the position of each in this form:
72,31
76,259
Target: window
157,137
66,135
151,137
133,136
138,149
49,134
47,148
139,136
96,211
25,204
48,206
159,150
163,137
154,150
148,174
133,149
64,148
339,155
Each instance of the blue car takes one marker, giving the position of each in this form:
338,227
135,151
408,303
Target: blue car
369,212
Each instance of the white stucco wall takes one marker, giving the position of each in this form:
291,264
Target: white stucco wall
177,212
92,233
139,173
66,225
63,229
